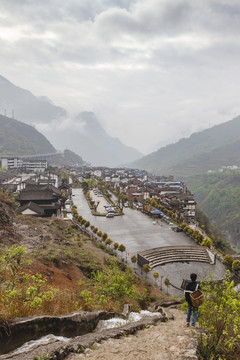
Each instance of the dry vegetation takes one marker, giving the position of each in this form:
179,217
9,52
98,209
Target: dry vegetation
77,273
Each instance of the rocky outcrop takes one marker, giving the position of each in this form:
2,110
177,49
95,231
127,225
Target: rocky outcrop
58,350
15,334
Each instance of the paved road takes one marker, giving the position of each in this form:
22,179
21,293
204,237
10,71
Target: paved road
136,231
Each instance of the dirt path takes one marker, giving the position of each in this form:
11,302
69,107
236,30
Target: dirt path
165,341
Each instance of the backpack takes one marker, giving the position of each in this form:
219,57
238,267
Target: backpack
197,297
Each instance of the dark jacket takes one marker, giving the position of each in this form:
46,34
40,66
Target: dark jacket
192,287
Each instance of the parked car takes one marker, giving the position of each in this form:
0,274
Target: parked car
110,215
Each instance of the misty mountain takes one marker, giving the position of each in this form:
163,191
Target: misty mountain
209,149
82,134
17,138
95,145
25,106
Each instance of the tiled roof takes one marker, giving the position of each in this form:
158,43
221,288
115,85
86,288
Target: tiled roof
31,206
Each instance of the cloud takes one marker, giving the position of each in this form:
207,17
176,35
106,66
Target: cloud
152,70
62,124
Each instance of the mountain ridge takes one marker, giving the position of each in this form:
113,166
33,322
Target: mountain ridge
82,134
18,138
185,150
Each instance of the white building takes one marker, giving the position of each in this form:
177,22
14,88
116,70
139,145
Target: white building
28,165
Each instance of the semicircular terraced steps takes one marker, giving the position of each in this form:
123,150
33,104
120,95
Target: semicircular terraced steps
162,255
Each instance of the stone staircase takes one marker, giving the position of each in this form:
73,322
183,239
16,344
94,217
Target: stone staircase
162,255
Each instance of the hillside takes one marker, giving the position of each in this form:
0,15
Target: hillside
70,260
17,138
190,160
202,151
226,155
218,195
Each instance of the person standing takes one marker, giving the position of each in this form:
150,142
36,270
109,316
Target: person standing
192,311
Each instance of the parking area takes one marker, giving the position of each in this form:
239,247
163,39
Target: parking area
138,232
103,204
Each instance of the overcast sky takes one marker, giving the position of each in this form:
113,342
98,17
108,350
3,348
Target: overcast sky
152,71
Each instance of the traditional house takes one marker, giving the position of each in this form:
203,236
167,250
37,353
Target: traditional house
40,200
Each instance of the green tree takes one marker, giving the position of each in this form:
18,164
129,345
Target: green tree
79,218
228,260
156,276
116,246
122,198
167,283
134,260
122,248
87,224
146,268
104,236
108,241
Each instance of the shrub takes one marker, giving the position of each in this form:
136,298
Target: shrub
207,242
183,225
236,265
21,294
228,260
104,236
87,224
219,316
